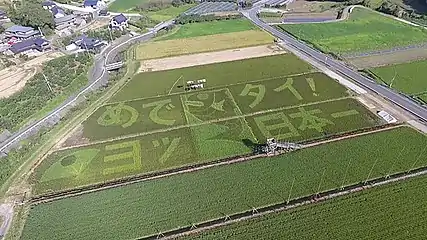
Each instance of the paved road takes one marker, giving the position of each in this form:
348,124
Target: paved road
99,73
340,68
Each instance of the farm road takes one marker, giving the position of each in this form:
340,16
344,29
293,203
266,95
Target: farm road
6,214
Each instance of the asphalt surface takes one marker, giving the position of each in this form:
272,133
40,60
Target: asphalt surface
340,68
96,77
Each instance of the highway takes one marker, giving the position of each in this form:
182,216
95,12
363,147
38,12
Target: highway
338,67
99,72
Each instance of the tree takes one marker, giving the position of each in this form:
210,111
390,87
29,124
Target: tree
32,14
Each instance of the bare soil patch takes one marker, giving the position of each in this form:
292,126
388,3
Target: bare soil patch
14,78
209,57
303,6
75,138
384,59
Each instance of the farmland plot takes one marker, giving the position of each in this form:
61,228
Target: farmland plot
152,84
204,141
145,208
390,212
235,112
406,77
369,29
153,152
146,115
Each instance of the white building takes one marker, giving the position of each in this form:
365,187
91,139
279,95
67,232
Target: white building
119,22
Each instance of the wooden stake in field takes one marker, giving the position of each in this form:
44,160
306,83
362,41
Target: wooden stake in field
345,174
320,182
290,191
418,158
370,172
392,165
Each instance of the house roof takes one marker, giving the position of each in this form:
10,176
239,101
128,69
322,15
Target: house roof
17,28
2,12
48,3
84,41
40,41
55,10
66,18
120,18
90,2
27,45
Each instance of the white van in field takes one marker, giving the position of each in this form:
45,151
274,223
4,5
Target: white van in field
133,34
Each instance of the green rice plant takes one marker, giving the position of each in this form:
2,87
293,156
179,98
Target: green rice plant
286,91
369,29
406,77
133,117
313,121
150,207
366,215
223,74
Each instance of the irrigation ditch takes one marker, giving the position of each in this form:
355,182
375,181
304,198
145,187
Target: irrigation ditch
53,196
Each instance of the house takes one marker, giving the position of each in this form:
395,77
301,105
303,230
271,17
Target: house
95,4
67,20
103,12
119,22
33,44
57,12
21,32
48,5
85,43
3,15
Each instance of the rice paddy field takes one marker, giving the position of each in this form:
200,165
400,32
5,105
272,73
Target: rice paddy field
390,212
154,124
408,78
150,207
204,37
370,30
199,29
210,43
124,5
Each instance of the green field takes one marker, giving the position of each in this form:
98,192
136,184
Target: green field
203,142
368,29
152,84
150,207
407,77
124,5
201,44
217,104
211,28
168,13
394,211
154,152
235,112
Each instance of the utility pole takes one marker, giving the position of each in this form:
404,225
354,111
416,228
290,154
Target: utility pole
47,83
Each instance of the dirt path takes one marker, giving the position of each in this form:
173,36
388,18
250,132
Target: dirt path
209,57
6,214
